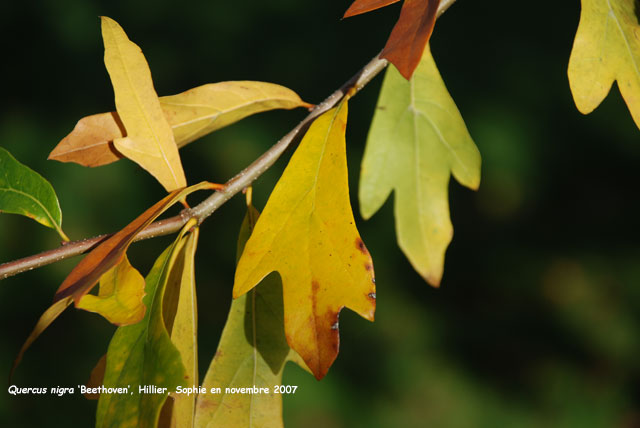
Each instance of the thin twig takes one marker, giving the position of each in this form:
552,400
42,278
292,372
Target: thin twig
217,199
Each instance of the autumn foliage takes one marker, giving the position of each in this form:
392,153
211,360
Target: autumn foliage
300,261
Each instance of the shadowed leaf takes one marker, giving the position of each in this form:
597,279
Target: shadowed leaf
91,141
120,297
149,141
23,191
191,115
307,233
96,378
417,139
143,354
108,254
181,320
606,49
252,352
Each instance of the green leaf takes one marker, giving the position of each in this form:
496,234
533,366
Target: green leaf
252,352
417,139
143,354
606,49
23,191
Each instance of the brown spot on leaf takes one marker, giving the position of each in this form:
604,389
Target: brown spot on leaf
368,267
360,246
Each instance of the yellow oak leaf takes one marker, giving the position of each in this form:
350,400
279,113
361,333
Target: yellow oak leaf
119,299
149,141
307,233
606,49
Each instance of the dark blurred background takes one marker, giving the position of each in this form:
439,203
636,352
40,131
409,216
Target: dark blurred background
537,321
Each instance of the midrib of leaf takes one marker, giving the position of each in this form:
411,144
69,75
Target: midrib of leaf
441,137
231,382
624,36
302,198
144,113
417,157
11,189
210,117
313,190
46,211
324,148
85,147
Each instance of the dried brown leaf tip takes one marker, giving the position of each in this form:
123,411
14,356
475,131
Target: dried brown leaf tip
409,36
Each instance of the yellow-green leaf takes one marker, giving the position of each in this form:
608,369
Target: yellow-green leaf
23,191
119,299
417,139
181,320
252,352
307,233
606,49
149,141
142,354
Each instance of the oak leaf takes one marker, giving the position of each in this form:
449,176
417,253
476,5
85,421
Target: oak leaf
143,354
409,36
149,141
111,252
253,351
606,49
23,191
417,139
100,260
119,299
307,233
191,115
181,320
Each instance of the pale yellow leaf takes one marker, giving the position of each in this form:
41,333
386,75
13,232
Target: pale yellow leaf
606,49
149,141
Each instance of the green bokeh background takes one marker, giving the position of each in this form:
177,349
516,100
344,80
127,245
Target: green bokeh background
537,321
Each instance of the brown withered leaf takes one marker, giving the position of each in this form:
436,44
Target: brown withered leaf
91,141
108,254
409,36
359,7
